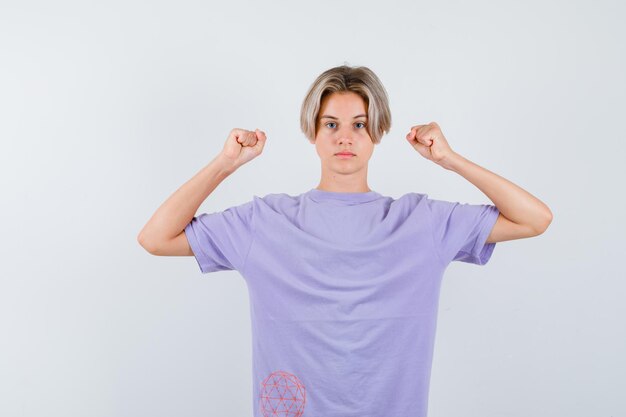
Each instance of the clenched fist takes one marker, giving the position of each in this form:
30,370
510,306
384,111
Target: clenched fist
242,146
429,141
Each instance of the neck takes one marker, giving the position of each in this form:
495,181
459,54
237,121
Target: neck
350,183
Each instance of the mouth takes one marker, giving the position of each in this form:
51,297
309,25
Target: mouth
345,154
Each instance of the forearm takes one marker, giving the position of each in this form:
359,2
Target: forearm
177,211
513,202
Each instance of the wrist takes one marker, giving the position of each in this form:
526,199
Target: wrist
452,161
225,165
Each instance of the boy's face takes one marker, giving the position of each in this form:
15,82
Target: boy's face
343,132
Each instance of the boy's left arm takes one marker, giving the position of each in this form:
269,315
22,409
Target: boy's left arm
521,215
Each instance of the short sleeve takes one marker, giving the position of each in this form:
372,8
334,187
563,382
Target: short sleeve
460,230
221,240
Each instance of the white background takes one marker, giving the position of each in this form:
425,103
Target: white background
106,109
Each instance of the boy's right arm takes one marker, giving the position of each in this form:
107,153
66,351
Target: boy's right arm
164,233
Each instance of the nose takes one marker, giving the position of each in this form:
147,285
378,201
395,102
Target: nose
345,139
345,136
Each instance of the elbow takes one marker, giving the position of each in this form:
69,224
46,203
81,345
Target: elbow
144,243
543,225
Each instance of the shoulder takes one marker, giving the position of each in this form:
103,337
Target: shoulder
432,204
279,202
276,198
411,199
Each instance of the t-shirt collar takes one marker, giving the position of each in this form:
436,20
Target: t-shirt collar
342,197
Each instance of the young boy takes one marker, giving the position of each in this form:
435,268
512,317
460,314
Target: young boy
343,281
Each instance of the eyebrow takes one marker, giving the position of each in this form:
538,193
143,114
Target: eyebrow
326,116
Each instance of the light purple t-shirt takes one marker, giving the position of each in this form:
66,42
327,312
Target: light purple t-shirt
344,292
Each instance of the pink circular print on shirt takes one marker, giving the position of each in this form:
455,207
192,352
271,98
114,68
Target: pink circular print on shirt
282,394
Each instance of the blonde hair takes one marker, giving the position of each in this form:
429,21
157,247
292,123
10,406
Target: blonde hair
360,80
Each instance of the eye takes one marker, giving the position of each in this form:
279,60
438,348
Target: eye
361,123
329,123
